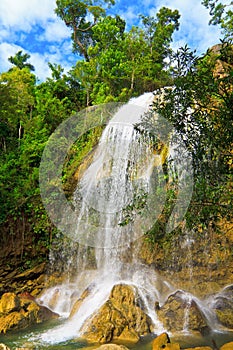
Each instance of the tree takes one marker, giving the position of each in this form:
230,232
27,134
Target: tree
121,64
20,84
159,31
20,60
199,106
81,17
221,14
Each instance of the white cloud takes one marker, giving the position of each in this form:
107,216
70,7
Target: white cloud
194,29
24,14
37,60
29,23
130,16
33,23
40,62
55,31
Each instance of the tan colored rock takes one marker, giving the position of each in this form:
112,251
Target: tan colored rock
21,312
128,335
200,348
120,317
112,347
14,320
223,306
32,273
162,342
78,302
9,302
227,346
178,312
4,347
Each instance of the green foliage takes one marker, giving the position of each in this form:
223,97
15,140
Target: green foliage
78,153
122,64
200,108
29,113
159,31
78,15
117,64
221,14
20,60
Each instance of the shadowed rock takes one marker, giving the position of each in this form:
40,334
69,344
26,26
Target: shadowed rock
182,312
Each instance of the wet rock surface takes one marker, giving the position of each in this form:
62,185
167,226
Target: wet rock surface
180,312
227,346
112,347
223,306
121,317
163,342
32,280
20,312
78,302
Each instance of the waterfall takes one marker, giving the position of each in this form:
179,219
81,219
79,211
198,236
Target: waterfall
121,174
120,170
112,213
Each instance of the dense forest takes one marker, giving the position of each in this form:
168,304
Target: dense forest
114,64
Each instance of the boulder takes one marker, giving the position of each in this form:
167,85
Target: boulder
223,306
200,348
227,346
4,347
163,342
112,347
181,312
120,317
20,312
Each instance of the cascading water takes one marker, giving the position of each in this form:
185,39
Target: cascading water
120,174
111,215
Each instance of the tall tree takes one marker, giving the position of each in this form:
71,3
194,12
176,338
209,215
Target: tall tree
20,60
122,64
159,31
81,17
20,83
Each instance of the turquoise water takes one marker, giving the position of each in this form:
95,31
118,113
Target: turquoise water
30,338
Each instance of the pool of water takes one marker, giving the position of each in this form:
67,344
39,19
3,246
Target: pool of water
30,338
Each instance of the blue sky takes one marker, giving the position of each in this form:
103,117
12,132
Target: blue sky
32,26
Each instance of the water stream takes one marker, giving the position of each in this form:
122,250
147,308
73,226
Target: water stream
122,172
